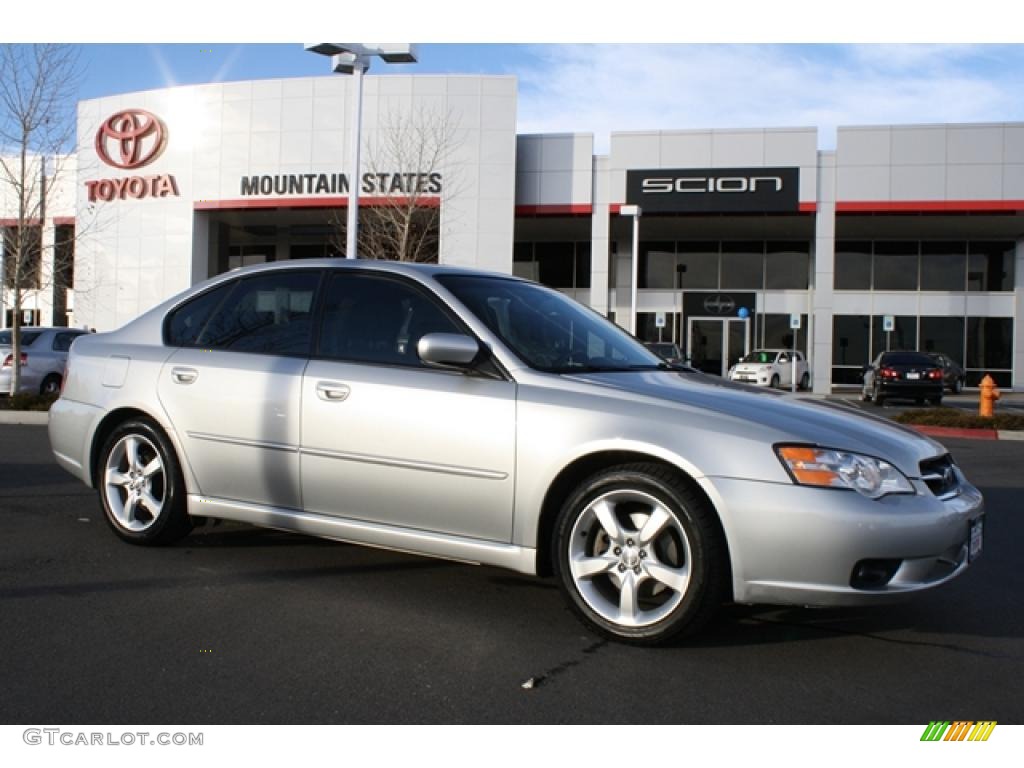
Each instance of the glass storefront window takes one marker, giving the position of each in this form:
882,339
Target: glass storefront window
903,335
701,262
583,265
787,265
943,334
990,266
989,342
895,266
657,265
742,265
850,340
772,331
943,266
853,266
554,263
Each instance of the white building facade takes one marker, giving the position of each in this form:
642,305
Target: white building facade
743,234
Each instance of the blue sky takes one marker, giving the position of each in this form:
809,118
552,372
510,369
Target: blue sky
600,88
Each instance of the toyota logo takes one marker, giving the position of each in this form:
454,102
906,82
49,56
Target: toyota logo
719,305
137,138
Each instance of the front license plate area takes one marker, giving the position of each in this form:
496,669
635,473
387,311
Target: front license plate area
974,550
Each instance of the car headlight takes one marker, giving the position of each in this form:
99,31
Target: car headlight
826,468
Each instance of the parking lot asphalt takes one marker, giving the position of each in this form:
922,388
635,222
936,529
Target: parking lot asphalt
239,625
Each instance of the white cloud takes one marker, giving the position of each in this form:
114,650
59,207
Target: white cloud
605,88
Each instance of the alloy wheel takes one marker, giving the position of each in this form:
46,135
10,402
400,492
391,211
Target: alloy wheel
135,482
630,558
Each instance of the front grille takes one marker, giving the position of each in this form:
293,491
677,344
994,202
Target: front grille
939,474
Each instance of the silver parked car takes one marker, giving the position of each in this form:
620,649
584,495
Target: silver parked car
484,418
44,351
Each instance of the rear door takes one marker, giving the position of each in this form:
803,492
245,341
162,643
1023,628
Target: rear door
389,440
232,390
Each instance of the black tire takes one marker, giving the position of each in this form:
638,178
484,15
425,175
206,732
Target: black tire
118,478
775,382
50,385
805,382
690,536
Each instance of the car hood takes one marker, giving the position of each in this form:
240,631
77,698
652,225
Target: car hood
781,417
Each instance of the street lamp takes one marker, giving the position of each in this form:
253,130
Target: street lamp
634,211
354,59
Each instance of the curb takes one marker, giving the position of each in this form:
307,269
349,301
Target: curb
24,417
969,434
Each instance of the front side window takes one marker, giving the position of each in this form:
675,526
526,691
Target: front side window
549,331
267,314
380,320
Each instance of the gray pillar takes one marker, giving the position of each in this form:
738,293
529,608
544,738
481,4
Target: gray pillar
824,274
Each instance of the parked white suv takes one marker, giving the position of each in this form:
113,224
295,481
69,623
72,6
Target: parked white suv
771,368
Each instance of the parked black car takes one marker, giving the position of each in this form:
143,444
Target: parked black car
912,375
953,375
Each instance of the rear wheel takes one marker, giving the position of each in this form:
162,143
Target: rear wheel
141,486
640,557
50,385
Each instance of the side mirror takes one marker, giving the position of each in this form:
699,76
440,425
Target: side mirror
447,350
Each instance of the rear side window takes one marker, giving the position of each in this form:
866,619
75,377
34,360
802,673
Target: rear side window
269,314
62,341
27,337
186,322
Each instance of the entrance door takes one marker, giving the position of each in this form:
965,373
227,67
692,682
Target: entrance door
715,344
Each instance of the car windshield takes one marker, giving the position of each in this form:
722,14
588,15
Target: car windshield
906,358
549,331
27,337
759,356
664,349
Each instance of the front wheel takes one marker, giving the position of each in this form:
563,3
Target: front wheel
141,486
805,382
640,557
775,381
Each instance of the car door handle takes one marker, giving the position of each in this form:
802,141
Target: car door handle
184,375
332,391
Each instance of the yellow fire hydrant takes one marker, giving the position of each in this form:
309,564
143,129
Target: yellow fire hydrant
989,395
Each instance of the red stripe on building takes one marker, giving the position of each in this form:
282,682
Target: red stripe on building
248,203
576,209
804,208
63,221
14,222
929,206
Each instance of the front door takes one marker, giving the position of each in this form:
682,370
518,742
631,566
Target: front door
387,439
715,344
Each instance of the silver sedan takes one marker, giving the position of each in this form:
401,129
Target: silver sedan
484,418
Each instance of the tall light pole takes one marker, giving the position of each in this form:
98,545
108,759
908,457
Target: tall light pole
354,59
634,211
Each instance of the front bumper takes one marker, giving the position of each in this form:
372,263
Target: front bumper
794,545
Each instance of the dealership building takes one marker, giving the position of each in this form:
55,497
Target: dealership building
902,237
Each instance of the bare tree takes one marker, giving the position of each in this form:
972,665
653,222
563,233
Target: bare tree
409,169
38,90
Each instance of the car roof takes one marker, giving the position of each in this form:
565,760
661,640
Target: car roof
374,265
